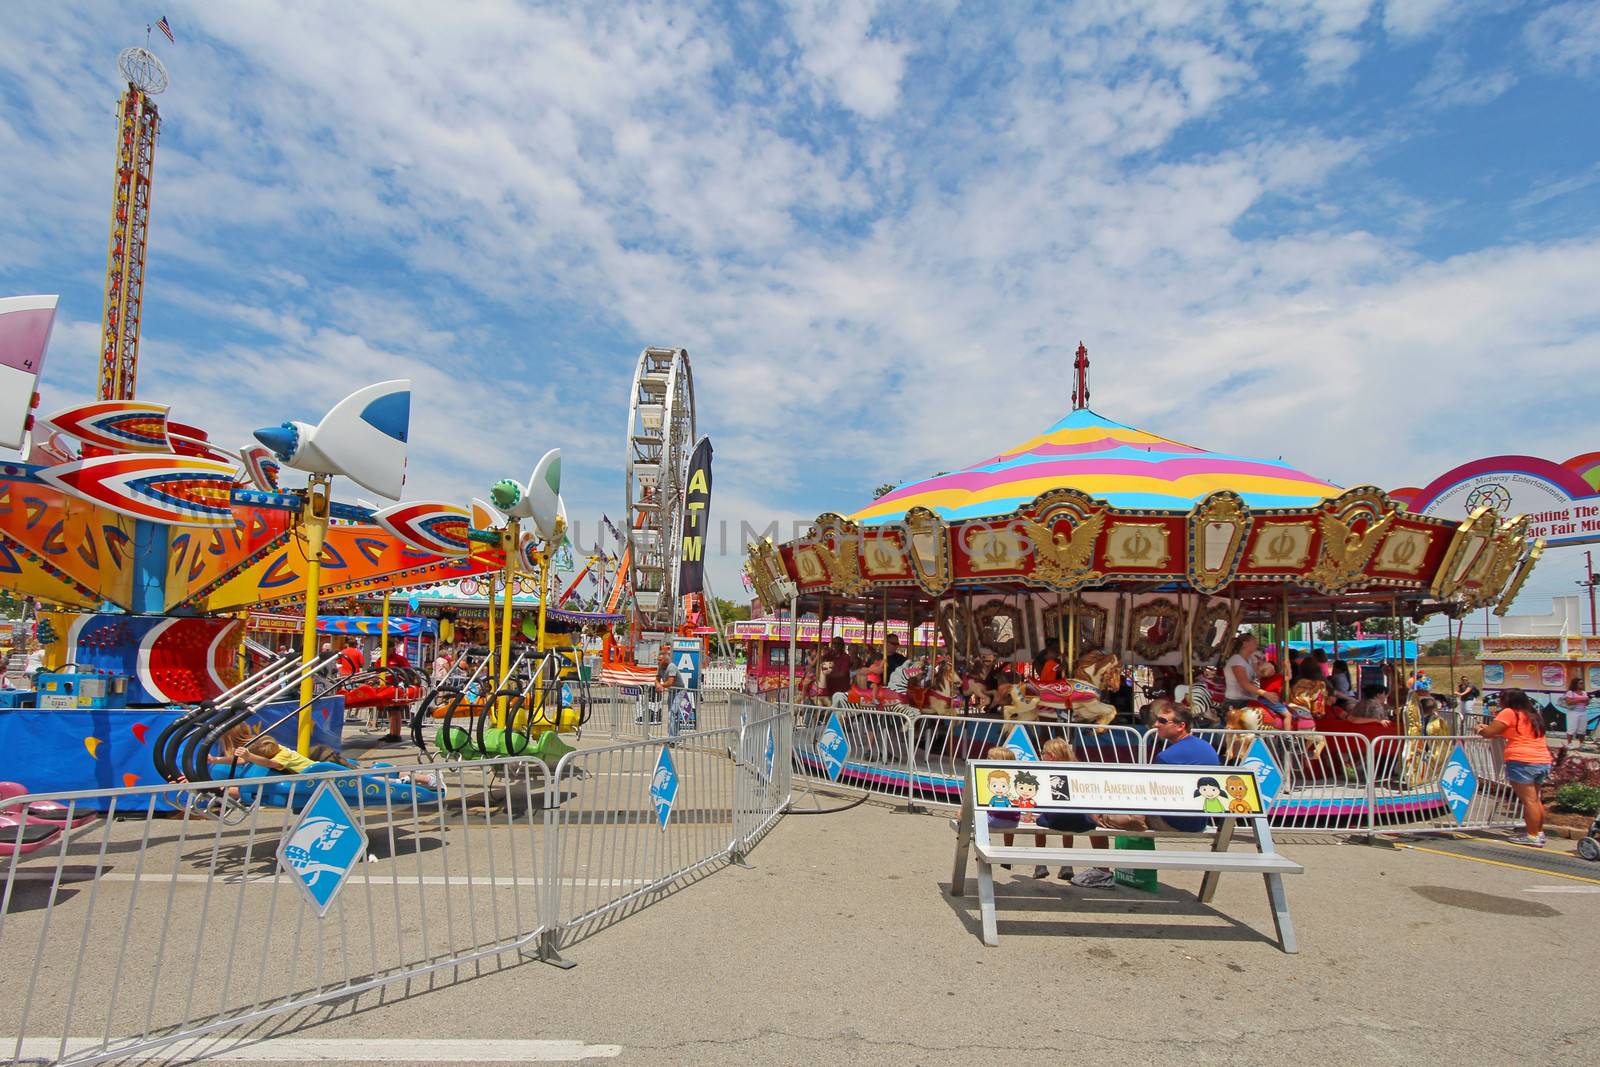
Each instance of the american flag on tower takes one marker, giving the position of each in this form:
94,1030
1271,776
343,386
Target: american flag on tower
164,28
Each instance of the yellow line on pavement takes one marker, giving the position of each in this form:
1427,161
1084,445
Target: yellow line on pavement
1502,863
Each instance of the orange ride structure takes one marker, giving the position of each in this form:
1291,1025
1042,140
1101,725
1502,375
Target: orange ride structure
140,546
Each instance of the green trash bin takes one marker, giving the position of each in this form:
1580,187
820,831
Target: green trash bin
1145,880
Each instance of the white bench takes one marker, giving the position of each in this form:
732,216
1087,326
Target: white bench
1137,789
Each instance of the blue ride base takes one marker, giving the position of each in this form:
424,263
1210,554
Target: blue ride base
72,751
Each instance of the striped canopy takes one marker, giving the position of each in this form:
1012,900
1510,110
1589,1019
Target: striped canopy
1125,467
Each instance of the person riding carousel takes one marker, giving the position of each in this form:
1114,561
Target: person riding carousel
1249,684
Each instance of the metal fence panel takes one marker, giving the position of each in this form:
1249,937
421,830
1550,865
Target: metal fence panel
1408,794
1326,782
878,756
143,928
942,745
765,772
611,845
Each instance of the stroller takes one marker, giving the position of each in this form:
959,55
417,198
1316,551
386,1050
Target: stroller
1589,847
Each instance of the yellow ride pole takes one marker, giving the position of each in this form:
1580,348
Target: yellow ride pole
315,520
383,631
545,553
509,540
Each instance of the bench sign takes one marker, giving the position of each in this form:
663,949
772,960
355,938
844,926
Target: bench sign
664,786
323,848
1178,790
833,747
1459,783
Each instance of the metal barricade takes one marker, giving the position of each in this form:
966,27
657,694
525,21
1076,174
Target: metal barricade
155,923
941,746
714,677
650,814
1414,779
1325,783
764,770
876,756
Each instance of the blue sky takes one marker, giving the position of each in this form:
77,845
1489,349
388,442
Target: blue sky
1362,236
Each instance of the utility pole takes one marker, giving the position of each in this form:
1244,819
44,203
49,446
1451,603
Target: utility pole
1590,582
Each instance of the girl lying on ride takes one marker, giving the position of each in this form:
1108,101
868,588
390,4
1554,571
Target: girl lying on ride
264,756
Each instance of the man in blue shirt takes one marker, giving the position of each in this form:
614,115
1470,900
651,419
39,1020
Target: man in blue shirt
1172,723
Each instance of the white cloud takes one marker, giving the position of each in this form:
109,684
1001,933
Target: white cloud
1566,38
1416,18
858,67
475,201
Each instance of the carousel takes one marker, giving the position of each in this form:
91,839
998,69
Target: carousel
1113,549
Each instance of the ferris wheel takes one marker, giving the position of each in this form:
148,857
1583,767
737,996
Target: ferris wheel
661,437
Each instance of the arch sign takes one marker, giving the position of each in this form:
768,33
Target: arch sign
1561,500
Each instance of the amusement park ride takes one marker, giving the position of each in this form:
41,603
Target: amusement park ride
1107,546
144,545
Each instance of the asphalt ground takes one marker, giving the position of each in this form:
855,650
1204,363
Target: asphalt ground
841,943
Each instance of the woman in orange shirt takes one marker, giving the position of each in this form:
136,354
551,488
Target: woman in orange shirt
1527,759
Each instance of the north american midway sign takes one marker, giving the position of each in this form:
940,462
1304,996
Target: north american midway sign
1561,500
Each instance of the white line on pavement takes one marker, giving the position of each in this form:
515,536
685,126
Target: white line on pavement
1562,889
347,1050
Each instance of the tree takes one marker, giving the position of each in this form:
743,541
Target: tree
731,611
1382,626
1336,631
886,487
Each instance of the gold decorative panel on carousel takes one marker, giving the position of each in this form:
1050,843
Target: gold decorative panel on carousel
1062,528
1349,528
883,556
928,546
1472,541
836,543
1144,546
1218,527
996,548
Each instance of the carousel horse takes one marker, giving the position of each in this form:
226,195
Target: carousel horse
1081,698
944,690
1306,705
1019,706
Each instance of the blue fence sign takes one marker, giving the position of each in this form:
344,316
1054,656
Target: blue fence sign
833,747
1269,778
664,786
1459,783
323,848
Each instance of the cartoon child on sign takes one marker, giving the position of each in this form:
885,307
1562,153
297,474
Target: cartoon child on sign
999,783
1242,801
1024,791
1210,790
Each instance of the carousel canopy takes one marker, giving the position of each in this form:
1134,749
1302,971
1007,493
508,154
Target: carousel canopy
1125,467
1094,505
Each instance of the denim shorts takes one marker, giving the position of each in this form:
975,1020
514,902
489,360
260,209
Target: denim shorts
1520,773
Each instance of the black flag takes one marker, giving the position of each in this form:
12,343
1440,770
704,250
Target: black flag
696,520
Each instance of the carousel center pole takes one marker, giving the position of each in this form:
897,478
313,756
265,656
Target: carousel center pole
1283,658
1072,635
794,637
315,519
509,539
1188,641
